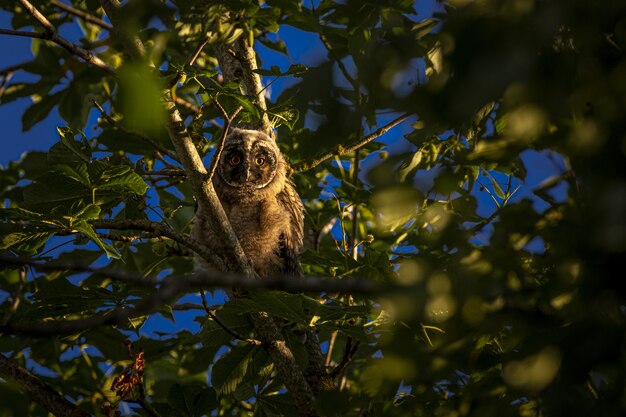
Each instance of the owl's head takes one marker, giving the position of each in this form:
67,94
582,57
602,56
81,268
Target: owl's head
251,163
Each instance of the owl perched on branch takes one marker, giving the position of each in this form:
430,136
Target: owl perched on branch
261,203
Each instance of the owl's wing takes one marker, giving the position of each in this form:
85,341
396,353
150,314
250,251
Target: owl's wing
291,240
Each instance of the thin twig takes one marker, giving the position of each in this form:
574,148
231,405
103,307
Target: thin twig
127,239
214,317
168,173
53,36
238,64
227,122
331,346
82,14
343,150
340,64
38,35
192,59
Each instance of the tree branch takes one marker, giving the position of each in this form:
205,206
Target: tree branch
161,230
53,36
189,106
205,193
238,62
39,391
82,14
219,279
210,205
168,289
38,35
340,64
344,150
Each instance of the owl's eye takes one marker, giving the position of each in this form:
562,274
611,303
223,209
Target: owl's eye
235,160
259,160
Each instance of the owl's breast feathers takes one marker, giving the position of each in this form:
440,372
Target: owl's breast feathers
264,209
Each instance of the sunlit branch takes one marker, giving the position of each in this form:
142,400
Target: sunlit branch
38,390
53,36
238,63
341,150
82,14
186,104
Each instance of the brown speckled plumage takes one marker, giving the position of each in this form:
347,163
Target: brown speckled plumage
260,202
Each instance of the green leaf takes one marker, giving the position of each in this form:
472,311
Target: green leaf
296,70
214,335
280,405
410,166
76,172
86,229
496,187
192,400
52,190
128,181
21,214
25,242
281,304
89,212
288,117
274,71
357,332
80,149
40,110
229,371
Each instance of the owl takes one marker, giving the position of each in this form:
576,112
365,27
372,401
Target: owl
261,203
